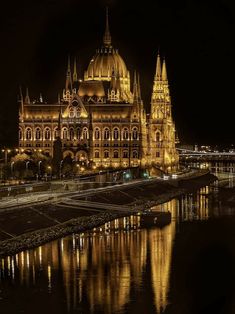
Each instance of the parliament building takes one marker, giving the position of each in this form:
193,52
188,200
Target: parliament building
101,119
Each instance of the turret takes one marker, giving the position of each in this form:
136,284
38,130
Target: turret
27,99
75,75
21,101
164,72
135,88
158,68
68,83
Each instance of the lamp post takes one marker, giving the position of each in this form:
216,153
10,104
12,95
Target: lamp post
49,171
12,168
6,151
39,168
61,163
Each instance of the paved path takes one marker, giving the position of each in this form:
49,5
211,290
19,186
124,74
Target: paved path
47,197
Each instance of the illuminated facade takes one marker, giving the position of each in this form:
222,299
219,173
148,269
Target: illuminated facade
101,119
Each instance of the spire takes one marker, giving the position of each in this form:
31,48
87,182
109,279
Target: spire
135,88
107,36
158,67
40,98
75,75
58,98
139,90
68,84
21,95
21,104
164,72
59,117
27,99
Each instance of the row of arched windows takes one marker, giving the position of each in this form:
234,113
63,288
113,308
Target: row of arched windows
71,134
46,134
116,154
116,134
38,133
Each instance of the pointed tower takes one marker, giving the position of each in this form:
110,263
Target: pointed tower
75,75
135,89
107,37
162,152
67,92
21,107
158,68
164,71
165,83
157,94
27,99
68,82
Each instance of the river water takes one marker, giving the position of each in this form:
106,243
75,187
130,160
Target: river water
123,268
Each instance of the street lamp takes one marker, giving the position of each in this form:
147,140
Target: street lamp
12,168
6,152
49,170
60,174
39,168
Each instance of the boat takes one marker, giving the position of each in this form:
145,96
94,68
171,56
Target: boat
155,218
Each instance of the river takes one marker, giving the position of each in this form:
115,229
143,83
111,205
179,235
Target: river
123,268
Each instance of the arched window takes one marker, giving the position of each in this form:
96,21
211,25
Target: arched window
85,134
97,154
56,133
47,133
78,133
38,134
71,112
158,136
135,154
125,154
97,134
28,134
125,134
115,154
135,134
106,134
115,133
65,133
71,134
20,134
106,154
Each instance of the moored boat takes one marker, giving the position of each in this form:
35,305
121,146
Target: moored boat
154,218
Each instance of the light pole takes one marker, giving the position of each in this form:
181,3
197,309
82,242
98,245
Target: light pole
6,151
12,168
39,168
49,171
60,174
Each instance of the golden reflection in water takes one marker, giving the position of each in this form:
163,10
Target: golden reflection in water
195,206
160,242
102,266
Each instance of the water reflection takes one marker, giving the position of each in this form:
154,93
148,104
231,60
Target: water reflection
104,270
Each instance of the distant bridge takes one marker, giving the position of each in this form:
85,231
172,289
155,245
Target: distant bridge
186,154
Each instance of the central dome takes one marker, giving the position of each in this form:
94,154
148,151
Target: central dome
106,61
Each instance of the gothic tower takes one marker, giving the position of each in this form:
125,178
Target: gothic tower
161,125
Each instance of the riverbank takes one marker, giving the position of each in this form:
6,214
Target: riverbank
37,225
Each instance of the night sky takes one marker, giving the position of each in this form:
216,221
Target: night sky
197,38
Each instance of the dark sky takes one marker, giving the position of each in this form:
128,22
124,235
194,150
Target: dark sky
196,36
